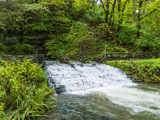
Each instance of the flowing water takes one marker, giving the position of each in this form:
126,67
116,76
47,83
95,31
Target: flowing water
100,92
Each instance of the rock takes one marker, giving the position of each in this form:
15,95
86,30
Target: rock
60,89
52,82
64,59
84,59
39,58
99,59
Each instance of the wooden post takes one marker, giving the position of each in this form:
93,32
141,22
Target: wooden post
105,50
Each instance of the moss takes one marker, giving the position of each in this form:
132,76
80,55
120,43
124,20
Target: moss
142,70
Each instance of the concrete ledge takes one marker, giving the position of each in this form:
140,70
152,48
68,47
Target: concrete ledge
37,57
128,56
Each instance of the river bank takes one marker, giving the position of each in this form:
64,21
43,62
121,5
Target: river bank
142,70
24,92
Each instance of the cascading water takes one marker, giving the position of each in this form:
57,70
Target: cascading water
102,90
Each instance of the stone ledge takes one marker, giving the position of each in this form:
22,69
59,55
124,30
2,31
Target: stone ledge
37,57
128,56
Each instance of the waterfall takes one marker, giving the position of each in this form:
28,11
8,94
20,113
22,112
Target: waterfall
84,79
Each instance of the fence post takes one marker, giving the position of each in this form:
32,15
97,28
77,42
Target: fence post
105,50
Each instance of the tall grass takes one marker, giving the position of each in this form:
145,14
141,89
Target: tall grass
24,90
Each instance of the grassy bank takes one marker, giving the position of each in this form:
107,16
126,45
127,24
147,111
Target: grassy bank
142,70
24,92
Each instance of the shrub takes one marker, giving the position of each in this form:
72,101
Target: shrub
3,48
82,40
113,47
22,49
126,34
56,45
148,43
94,16
24,89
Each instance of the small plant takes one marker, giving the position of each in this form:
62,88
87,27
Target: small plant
113,47
1,109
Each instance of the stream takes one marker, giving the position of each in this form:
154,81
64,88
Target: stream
100,92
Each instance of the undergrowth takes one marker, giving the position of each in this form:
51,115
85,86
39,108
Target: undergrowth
24,92
142,70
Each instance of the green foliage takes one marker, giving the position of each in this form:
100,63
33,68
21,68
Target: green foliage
22,49
57,45
148,43
114,47
82,40
24,90
3,48
105,32
1,109
142,70
94,16
58,21
127,34
11,17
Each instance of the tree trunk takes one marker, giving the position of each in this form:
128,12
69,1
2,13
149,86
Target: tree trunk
121,20
139,18
119,17
112,13
107,11
134,11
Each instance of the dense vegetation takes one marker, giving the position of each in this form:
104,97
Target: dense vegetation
141,70
24,92
76,27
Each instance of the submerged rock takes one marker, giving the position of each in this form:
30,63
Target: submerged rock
59,89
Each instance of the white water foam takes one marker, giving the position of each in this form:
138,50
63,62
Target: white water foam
82,79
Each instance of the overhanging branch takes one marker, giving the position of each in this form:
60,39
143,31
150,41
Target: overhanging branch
103,5
148,14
